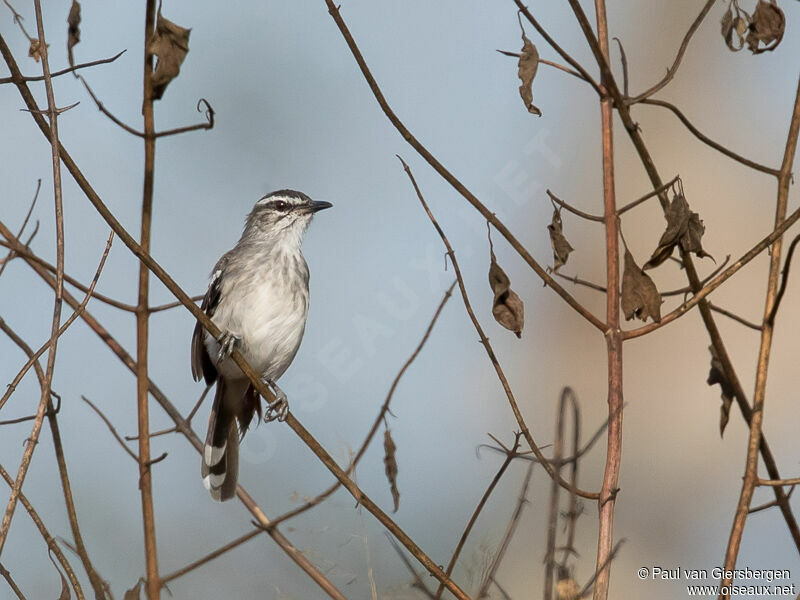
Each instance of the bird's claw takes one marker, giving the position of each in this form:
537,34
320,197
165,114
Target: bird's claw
278,409
227,342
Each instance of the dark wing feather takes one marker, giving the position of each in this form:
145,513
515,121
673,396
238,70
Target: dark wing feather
202,365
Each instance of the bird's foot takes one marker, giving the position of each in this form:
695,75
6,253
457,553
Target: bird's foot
227,342
278,409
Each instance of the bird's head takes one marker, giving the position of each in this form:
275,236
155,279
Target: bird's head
283,213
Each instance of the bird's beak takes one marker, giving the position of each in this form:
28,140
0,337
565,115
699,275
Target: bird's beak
318,205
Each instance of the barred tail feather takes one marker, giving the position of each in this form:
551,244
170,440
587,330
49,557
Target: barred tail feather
220,467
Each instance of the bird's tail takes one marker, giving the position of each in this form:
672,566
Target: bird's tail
234,400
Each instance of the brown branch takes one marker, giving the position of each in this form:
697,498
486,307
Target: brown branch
210,556
449,177
111,428
77,67
687,288
708,141
623,59
648,195
418,581
572,209
778,482
674,68
10,254
169,305
75,314
549,63
59,288
522,500
759,395
49,540
18,20
14,588
784,280
511,454
487,346
108,113
153,583
202,107
734,316
578,281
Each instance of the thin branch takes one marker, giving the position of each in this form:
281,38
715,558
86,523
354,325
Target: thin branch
76,313
211,556
511,454
578,281
734,316
588,587
648,195
487,346
111,428
85,65
574,210
10,254
202,107
522,500
687,289
7,576
449,177
771,504
784,280
549,63
418,581
681,51
778,482
623,59
18,20
708,141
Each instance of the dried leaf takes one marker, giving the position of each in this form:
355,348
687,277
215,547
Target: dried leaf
684,227
528,65
65,593
561,247
73,29
717,375
766,27
507,307
135,592
640,298
390,460
734,22
35,50
170,44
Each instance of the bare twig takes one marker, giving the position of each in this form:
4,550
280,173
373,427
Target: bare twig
734,316
778,482
14,587
210,556
708,141
418,581
10,254
85,65
573,210
649,195
784,280
549,63
111,428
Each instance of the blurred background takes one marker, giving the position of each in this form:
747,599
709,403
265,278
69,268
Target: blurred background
293,110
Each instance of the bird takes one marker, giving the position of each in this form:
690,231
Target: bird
258,297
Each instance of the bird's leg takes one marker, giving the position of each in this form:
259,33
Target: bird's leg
278,409
227,341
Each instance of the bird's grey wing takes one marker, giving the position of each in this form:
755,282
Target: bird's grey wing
202,365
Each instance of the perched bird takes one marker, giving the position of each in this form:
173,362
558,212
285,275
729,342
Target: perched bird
258,297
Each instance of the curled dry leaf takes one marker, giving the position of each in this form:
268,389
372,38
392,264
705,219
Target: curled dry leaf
507,306
35,50
561,247
717,375
73,29
135,592
684,227
390,461
766,27
640,297
735,22
170,44
528,65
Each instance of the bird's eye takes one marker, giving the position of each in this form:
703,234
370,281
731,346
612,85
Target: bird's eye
280,205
